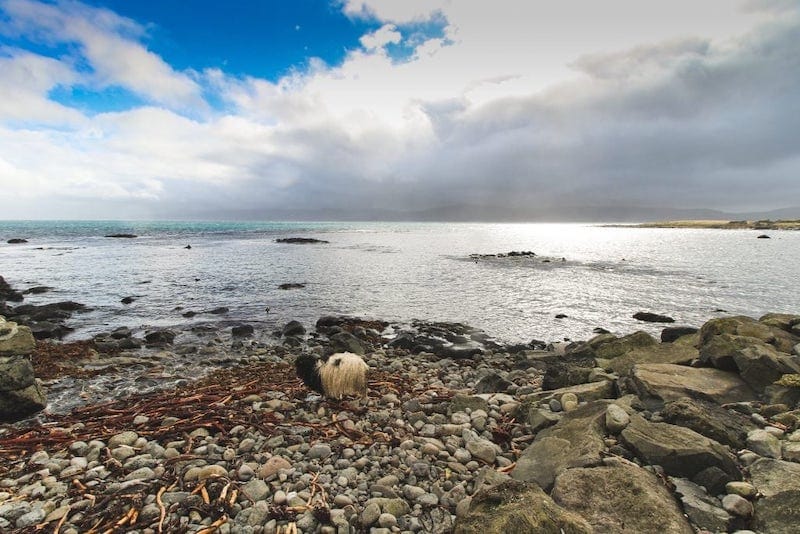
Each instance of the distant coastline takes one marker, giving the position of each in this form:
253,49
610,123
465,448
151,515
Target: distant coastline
723,224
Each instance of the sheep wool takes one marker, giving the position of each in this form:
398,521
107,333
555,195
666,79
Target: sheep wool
341,374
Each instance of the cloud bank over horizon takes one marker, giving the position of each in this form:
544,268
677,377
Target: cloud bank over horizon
516,103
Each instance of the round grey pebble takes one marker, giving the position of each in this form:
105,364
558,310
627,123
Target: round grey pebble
387,520
320,450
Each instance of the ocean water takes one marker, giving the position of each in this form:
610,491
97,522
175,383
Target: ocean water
403,271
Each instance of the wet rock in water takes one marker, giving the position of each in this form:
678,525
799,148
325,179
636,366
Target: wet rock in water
649,317
516,507
159,337
293,328
242,330
620,498
673,333
561,316
16,241
219,311
8,293
300,240
189,314
37,290
127,300
122,236
48,330
291,286
680,451
763,236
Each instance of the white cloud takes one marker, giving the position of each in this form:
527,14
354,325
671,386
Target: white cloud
678,103
109,44
25,83
381,37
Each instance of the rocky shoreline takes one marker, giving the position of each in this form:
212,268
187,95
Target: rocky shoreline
726,225
693,432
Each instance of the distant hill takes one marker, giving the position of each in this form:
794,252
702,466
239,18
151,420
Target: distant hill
483,213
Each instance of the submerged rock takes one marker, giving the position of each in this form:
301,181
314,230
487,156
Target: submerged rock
300,240
649,317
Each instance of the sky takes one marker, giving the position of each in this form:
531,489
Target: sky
175,109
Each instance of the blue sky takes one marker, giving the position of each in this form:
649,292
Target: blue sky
244,37
246,109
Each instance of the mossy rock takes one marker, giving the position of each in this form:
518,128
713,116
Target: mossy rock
514,507
790,380
620,346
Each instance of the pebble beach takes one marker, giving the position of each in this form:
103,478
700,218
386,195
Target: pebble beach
694,432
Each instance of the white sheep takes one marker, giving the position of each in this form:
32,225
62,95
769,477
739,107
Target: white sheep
341,374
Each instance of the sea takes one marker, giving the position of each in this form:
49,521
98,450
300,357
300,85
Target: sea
583,276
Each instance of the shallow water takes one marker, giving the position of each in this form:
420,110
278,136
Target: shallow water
402,271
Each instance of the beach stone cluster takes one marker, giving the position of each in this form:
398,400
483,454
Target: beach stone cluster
463,434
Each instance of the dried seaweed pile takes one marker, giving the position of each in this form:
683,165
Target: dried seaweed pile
54,360
218,403
214,402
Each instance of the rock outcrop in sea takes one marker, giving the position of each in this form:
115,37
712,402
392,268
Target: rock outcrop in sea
460,433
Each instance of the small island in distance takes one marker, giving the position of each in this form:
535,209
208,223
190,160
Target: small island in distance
726,225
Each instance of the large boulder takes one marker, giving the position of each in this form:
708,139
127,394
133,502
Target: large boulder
514,507
619,346
677,353
759,363
15,339
738,326
784,321
657,383
778,482
20,393
706,418
680,451
771,477
575,441
16,372
620,498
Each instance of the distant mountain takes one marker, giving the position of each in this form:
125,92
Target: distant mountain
483,213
